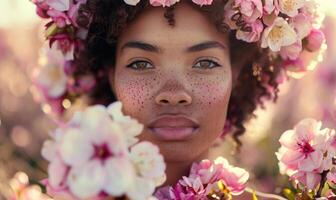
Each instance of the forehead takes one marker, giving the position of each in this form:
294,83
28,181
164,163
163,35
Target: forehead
191,26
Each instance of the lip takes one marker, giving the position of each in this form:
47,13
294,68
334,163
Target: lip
173,127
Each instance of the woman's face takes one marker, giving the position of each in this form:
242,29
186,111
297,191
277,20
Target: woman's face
175,80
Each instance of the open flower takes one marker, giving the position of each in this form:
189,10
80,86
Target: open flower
210,178
291,7
306,152
278,35
90,157
304,146
291,52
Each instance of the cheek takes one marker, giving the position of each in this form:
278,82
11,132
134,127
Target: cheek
135,92
212,92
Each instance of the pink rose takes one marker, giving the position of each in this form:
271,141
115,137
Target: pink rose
315,40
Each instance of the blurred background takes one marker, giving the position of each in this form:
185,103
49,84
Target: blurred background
24,125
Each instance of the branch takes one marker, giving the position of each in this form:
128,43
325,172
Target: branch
323,180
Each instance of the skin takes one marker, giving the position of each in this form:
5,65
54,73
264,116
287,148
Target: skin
173,81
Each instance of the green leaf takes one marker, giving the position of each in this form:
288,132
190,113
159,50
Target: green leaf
51,30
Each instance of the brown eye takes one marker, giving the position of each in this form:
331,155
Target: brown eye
140,65
206,64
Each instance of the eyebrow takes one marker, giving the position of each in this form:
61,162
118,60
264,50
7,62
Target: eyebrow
153,48
206,45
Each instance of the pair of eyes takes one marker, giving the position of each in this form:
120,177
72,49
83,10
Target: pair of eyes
201,64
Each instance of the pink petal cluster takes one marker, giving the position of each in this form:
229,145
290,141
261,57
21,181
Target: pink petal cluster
306,151
96,155
63,14
204,178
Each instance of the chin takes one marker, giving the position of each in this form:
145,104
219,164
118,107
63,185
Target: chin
181,151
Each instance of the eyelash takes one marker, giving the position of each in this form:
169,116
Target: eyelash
144,61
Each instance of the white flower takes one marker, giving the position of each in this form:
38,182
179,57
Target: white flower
141,189
60,5
132,2
278,35
147,160
290,7
131,127
122,170
87,181
50,76
91,155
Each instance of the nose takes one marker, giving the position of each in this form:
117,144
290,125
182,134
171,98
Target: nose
173,98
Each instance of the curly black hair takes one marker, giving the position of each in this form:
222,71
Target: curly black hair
106,19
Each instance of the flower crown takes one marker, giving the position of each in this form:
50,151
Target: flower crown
288,29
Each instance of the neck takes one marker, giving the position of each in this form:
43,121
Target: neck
175,170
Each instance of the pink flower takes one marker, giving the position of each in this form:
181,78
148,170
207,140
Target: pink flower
315,40
73,11
163,3
64,43
331,176
234,178
188,188
60,5
254,35
308,179
251,9
60,18
205,177
303,147
41,9
301,25
295,68
291,52
202,2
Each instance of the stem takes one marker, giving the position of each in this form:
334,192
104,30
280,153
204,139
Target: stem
323,181
265,195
